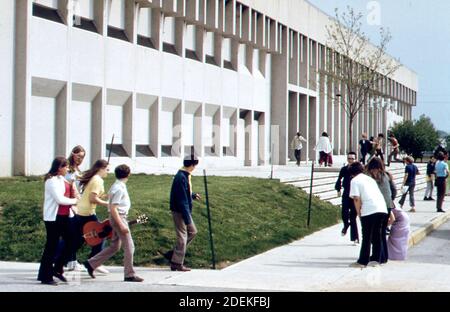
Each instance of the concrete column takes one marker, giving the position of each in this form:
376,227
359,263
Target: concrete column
129,112
62,111
22,96
304,126
293,57
180,31
198,130
279,99
157,21
337,119
100,16
293,120
131,18
261,139
155,143
217,129
200,35
177,138
248,138
321,105
233,135
98,142
312,118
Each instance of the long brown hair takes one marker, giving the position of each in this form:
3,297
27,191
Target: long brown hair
77,149
58,162
87,176
376,164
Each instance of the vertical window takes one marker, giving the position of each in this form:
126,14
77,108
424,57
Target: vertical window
116,20
169,35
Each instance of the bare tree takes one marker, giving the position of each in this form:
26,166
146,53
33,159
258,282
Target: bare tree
360,67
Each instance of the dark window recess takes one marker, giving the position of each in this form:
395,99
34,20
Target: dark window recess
166,150
243,113
189,150
211,60
227,151
192,55
169,48
117,33
84,23
145,41
117,150
144,151
47,13
228,65
210,150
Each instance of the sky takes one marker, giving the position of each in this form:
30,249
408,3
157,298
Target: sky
420,32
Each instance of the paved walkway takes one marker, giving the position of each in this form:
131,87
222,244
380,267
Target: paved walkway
318,262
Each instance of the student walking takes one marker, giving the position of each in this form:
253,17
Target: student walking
57,202
387,187
409,183
93,194
118,208
430,178
181,197
348,208
325,149
297,146
371,208
441,180
73,175
365,147
395,150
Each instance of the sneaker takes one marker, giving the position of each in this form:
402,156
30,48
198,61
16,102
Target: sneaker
426,198
75,266
133,279
355,242
344,231
440,210
357,265
412,209
50,282
431,198
373,264
101,269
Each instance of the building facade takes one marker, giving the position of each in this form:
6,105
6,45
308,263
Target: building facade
231,81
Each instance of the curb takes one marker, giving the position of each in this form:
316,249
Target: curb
419,234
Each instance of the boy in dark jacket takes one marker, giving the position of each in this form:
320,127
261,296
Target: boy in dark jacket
181,197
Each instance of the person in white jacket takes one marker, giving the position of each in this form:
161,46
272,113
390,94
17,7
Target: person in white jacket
57,202
325,150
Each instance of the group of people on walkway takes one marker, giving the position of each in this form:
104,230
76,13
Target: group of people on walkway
369,193
70,201
369,148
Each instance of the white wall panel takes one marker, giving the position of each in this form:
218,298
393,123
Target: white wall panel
145,22
7,85
225,132
114,123
166,124
84,8
188,129
142,126
116,16
42,136
169,30
190,37
80,121
207,131
209,43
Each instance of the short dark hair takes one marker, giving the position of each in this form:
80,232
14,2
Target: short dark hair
122,171
355,168
440,156
351,153
190,161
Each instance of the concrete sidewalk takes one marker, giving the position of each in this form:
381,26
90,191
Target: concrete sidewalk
318,262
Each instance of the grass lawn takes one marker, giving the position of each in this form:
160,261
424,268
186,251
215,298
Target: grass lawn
249,216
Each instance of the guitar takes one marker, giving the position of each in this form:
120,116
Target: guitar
95,232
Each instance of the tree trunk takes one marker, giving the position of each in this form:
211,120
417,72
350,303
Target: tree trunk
350,135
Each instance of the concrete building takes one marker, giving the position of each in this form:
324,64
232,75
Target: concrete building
231,80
